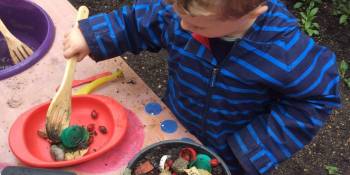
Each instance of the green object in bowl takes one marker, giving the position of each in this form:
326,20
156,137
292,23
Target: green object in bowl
74,136
202,162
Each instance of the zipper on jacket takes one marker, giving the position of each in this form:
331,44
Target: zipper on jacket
212,81
214,73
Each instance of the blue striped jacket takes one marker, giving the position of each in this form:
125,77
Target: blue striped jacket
265,101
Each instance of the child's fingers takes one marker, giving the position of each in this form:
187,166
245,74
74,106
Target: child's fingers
81,56
69,53
66,45
66,35
65,41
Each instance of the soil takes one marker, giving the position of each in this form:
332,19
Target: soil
154,155
331,147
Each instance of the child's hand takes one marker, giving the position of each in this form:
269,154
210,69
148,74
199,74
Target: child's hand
74,44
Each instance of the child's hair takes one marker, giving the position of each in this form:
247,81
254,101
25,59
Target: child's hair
223,8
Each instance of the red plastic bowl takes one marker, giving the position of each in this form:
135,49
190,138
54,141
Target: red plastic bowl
32,150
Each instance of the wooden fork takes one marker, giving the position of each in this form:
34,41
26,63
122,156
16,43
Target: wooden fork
58,114
18,50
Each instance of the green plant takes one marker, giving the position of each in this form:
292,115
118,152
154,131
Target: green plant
308,10
307,20
303,4
341,8
343,68
347,82
332,170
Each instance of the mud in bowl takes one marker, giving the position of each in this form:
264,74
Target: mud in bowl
148,161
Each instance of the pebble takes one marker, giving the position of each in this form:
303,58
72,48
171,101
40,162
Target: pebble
57,153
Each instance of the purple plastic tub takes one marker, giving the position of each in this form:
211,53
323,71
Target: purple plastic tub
30,24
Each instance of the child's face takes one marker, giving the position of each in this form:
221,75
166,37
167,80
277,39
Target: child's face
214,26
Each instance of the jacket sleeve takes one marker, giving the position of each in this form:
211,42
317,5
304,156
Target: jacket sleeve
136,28
293,119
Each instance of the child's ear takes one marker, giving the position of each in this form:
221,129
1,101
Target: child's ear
258,11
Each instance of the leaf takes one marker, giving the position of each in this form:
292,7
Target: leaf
309,31
343,19
316,25
298,5
343,68
314,11
332,170
307,25
303,21
316,32
75,154
312,4
347,82
336,12
303,15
